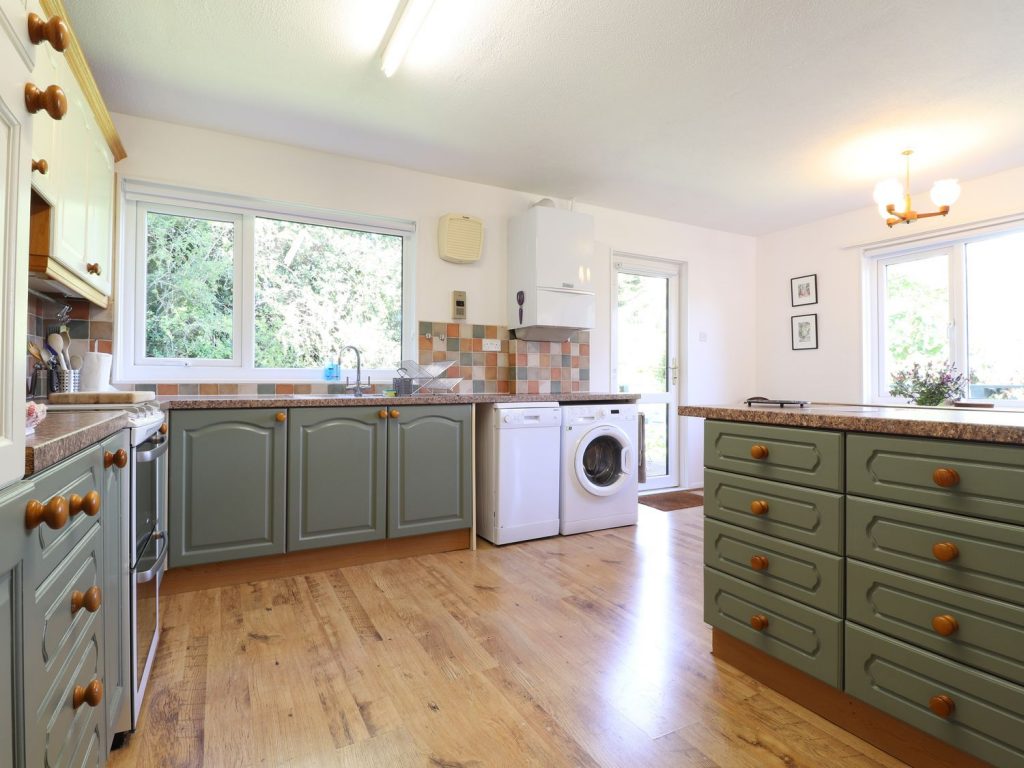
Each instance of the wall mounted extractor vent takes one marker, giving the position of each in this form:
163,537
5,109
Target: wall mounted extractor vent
460,238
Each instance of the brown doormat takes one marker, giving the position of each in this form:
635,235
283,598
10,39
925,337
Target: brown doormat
667,502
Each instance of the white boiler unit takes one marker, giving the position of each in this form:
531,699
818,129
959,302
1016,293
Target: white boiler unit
550,273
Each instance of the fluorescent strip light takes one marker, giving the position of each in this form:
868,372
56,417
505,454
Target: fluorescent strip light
409,22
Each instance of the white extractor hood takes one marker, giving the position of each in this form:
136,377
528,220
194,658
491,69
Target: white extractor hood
550,274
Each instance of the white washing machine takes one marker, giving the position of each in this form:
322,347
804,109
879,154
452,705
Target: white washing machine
599,467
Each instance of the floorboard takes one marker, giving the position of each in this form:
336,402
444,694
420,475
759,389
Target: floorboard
585,650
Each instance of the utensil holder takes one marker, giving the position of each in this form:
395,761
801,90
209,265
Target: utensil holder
402,386
68,381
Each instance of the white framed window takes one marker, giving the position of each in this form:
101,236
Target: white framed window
952,301
220,288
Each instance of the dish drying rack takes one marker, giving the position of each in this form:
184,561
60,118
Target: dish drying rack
413,377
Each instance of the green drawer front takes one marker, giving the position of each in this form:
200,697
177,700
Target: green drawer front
991,477
78,475
811,577
800,515
988,716
989,554
804,638
987,634
51,629
808,457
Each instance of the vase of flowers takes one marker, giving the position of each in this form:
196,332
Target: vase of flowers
931,385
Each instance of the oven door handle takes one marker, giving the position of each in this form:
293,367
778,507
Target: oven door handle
153,453
142,578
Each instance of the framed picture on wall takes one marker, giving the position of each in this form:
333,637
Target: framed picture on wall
805,331
804,290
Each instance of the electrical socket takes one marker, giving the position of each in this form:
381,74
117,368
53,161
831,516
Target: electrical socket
492,345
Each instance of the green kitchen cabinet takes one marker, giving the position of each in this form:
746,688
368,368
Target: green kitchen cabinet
116,556
227,484
430,480
337,476
12,550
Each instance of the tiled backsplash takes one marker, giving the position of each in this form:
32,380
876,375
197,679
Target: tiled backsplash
517,367
90,328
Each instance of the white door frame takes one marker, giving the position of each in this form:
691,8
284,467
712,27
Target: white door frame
675,272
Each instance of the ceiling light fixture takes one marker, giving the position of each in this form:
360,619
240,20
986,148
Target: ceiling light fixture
410,18
893,198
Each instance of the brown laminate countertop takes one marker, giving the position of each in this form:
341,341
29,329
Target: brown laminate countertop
199,402
986,425
65,433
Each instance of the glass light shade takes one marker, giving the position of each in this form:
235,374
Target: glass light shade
945,192
889,191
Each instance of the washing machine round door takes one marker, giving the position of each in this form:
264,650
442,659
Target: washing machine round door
603,460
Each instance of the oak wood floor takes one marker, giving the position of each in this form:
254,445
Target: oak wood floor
587,650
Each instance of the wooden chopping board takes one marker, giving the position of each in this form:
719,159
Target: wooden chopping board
99,398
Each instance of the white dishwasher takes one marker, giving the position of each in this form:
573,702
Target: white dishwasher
517,471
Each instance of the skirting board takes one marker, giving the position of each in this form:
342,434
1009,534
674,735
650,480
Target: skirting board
195,577
902,741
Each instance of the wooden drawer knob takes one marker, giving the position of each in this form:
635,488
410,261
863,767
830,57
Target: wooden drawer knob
941,705
92,694
90,503
54,31
759,562
280,416
118,458
758,451
93,268
91,600
52,100
946,551
759,507
945,624
54,513
759,622
946,477
382,413
41,166
163,428
394,413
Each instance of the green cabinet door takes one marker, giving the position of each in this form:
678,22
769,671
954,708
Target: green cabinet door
13,541
337,476
116,619
227,484
429,469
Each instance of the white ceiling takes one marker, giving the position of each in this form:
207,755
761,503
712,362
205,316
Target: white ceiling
733,114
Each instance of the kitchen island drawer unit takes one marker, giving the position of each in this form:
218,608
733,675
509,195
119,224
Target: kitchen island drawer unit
227,484
975,479
808,457
978,556
801,515
977,631
807,639
974,711
803,574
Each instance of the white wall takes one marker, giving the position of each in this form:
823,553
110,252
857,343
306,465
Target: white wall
835,371
720,281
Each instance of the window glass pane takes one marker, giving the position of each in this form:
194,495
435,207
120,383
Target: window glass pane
190,276
656,416
995,335
320,288
642,333
916,319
